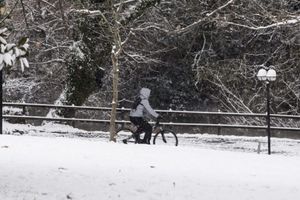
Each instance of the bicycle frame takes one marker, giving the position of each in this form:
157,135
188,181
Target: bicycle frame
156,129
157,132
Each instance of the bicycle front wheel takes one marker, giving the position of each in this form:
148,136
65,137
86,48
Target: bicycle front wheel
166,137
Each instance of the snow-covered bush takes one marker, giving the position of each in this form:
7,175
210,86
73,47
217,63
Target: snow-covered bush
8,110
10,52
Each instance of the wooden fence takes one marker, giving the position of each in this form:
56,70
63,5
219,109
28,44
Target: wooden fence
121,112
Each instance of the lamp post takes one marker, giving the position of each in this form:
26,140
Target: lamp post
267,76
1,102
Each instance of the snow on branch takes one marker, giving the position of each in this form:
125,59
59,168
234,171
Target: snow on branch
152,26
49,61
125,2
48,3
86,11
136,10
91,12
203,19
220,8
277,24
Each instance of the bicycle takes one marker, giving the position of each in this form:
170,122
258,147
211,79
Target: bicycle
128,134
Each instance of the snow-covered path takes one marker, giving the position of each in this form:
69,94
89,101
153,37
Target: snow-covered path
52,168
282,146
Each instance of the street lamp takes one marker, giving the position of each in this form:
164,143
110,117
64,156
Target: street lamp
1,102
267,76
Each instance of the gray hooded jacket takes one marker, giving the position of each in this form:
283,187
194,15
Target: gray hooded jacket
144,107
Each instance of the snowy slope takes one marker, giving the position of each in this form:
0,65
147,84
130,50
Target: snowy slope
50,168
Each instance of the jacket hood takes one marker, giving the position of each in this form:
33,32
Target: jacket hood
145,93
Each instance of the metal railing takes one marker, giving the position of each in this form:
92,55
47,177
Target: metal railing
122,110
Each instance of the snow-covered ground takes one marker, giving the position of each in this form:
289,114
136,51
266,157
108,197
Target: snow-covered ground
33,167
219,142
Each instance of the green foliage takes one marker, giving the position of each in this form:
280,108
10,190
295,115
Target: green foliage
80,81
22,41
84,66
10,53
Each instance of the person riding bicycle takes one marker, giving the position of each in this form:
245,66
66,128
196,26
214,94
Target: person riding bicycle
140,111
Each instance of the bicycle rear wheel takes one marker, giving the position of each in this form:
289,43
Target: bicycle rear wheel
166,137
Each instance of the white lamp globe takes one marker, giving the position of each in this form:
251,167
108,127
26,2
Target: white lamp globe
271,75
262,75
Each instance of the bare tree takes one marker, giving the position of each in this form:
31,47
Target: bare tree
240,25
118,19
117,47
115,53
186,51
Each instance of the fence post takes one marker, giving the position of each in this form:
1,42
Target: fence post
122,116
219,119
74,122
171,116
259,147
24,113
23,110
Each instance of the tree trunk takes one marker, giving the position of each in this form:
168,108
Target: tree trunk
114,103
116,50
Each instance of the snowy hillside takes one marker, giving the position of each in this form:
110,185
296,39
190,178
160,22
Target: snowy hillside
57,168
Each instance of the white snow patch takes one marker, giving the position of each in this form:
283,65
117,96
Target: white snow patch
70,168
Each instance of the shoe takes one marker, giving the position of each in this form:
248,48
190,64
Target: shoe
145,142
138,141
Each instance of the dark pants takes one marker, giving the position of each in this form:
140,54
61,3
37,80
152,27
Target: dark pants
142,125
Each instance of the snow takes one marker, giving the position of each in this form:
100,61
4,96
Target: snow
44,166
11,110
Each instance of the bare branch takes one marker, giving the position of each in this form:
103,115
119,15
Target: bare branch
274,25
86,11
49,61
46,2
182,30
